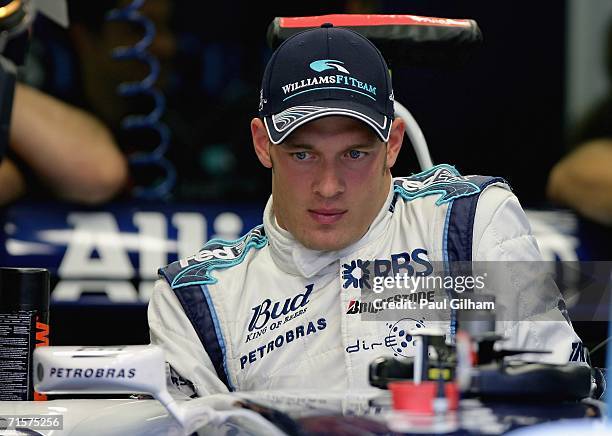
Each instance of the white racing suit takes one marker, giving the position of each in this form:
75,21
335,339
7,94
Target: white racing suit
263,312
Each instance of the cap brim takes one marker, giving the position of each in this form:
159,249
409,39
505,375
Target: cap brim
280,125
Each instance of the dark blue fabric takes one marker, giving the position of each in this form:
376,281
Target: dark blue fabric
460,235
198,311
460,231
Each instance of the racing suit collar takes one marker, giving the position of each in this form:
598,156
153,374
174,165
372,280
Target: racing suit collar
293,258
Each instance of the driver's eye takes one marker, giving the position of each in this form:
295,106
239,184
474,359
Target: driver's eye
301,155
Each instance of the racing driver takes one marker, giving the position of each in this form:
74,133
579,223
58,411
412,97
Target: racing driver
277,308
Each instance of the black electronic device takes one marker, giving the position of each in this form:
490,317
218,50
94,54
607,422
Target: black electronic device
497,378
483,369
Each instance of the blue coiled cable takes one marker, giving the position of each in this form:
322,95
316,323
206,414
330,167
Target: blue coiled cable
145,87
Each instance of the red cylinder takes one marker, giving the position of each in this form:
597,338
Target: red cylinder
418,398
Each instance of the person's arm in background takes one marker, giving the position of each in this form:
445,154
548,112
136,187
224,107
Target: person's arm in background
12,182
69,150
583,180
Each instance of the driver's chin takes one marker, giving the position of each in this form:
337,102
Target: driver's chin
324,241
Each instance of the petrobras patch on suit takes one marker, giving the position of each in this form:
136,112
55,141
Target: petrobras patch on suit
301,331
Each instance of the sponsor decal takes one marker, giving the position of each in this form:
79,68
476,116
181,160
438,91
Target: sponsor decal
221,253
334,81
270,315
297,333
217,254
355,307
362,345
328,64
226,250
441,179
578,354
278,312
182,384
337,80
92,373
398,340
356,274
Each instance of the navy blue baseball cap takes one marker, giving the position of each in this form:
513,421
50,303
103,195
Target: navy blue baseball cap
321,72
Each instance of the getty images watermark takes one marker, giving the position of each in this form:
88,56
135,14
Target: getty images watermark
382,289
422,292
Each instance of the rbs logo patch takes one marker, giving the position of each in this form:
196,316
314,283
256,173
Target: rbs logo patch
358,273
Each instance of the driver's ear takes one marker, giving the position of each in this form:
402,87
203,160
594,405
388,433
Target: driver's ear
261,142
396,138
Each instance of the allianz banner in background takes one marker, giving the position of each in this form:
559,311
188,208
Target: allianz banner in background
111,256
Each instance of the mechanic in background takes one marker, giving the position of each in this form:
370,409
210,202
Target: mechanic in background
275,308
582,180
49,147
66,138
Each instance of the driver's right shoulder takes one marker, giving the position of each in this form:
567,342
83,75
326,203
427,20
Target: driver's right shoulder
216,256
